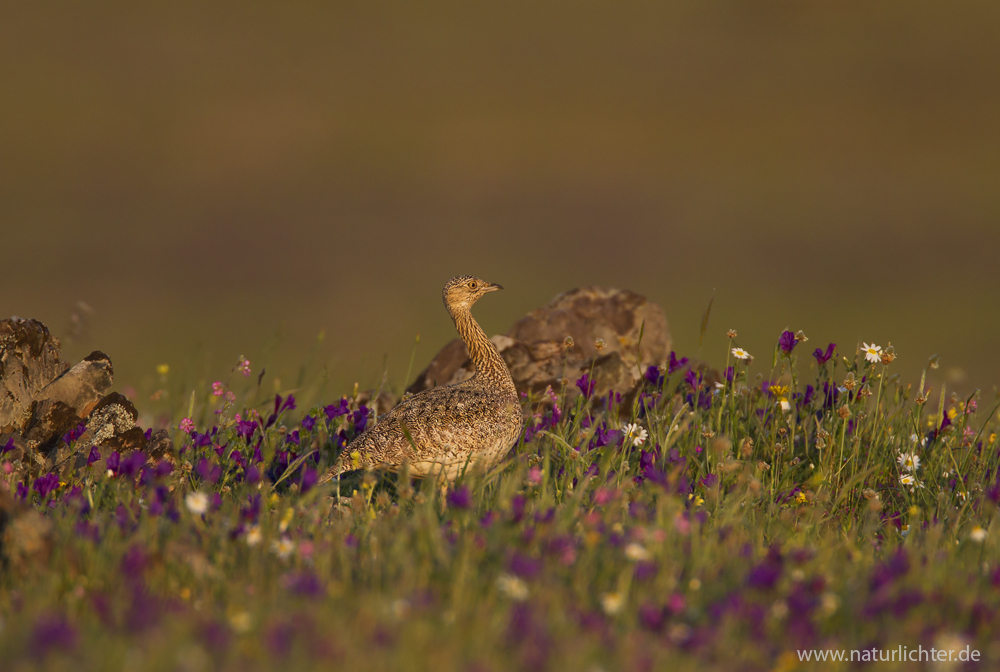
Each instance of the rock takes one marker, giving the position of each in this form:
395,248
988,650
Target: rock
42,398
538,353
29,360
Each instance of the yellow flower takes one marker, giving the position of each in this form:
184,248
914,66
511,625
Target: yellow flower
163,369
800,498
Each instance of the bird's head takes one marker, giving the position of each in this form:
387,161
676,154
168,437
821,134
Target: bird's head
464,290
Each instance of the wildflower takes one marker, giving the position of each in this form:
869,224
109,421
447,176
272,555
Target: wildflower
787,342
909,461
873,353
460,498
586,385
637,552
801,498
612,603
218,388
283,547
823,357
244,366
197,503
254,535
163,369
634,434
535,475
908,480
977,534
740,353
512,587
674,364
731,333
781,392
568,342
889,355
186,426
801,336
599,344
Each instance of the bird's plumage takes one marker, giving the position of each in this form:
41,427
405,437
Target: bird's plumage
475,421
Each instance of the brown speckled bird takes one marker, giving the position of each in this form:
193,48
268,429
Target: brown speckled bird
452,426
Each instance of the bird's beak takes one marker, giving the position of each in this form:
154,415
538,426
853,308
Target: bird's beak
492,287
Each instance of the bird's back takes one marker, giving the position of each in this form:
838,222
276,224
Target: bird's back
450,426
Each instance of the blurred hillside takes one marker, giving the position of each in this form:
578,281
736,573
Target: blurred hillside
206,177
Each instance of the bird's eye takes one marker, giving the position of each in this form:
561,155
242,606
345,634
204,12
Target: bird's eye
472,285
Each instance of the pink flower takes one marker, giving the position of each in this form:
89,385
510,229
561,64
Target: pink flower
244,366
187,425
535,475
230,395
218,388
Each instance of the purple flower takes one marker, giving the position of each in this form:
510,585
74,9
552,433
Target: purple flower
292,437
253,475
459,498
674,364
246,428
7,447
524,566
651,617
113,462
52,632
787,342
335,411
164,468
209,471
824,357
309,479
654,376
766,573
95,455
308,423
75,433
47,484
132,463
134,564
360,419
586,386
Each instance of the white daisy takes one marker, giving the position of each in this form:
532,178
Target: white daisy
512,587
283,547
909,461
873,353
740,353
634,434
197,503
612,603
637,552
908,480
254,535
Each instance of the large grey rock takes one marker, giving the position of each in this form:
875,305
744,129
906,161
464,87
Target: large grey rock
538,354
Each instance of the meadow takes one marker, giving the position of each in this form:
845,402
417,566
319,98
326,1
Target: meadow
803,498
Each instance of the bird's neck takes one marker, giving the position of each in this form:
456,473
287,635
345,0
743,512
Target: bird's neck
489,364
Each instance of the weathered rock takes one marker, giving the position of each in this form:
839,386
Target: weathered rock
538,353
29,360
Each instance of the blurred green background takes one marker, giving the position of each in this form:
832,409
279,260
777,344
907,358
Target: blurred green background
230,178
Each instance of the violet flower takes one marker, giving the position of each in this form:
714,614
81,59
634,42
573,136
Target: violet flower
823,357
460,498
674,364
586,385
787,342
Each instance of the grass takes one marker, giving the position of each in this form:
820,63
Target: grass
735,535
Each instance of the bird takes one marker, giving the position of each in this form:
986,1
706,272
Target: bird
441,431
